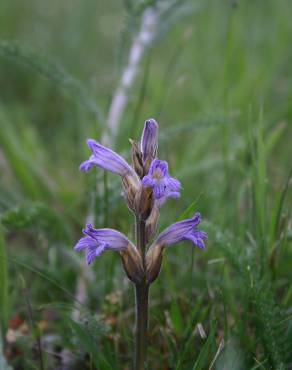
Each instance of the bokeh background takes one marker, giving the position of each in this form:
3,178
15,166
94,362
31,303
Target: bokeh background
217,77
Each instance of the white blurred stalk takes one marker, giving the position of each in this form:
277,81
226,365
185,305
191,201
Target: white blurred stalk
141,42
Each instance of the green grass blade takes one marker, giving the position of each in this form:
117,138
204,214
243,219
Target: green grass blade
202,360
4,298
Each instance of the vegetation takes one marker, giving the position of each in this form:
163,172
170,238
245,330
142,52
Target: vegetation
217,77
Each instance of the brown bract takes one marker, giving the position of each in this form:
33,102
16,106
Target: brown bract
132,263
137,158
153,262
151,223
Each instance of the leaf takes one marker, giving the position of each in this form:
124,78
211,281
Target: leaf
22,165
176,317
4,298
277,211
202,360
275,136
189,212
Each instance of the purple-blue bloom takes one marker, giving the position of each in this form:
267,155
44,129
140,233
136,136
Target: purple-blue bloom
96,241
162,184
149,141
183,230
106,159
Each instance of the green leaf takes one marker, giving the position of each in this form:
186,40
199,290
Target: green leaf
13,145
202,360
275,136
189,212
4,298
176,317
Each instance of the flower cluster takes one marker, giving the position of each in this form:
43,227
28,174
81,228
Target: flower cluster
147,185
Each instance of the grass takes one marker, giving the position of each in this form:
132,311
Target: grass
218,80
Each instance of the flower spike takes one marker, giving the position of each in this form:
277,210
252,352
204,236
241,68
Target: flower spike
147,185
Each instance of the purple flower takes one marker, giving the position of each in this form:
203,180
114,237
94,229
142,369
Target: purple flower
183,230
107,159
96,241
162,184
149,142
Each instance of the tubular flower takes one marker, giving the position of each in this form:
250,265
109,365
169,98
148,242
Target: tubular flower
177,232
149,143
183,230
106,159
109,160
96,241
162,184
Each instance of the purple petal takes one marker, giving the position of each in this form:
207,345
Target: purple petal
160,188
201,234
87,165
163,185
147,181
90,255
83,243
158,168
197,237
174,184
171,194
113,238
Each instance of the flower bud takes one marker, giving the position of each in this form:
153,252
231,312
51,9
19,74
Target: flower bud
153,262
132,263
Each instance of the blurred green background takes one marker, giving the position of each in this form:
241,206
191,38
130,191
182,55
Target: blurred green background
217,77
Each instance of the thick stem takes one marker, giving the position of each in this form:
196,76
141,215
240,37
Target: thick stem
141,291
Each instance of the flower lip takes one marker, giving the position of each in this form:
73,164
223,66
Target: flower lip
160,169
163,185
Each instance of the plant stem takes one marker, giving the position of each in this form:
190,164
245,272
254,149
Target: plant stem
141,291
141,326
